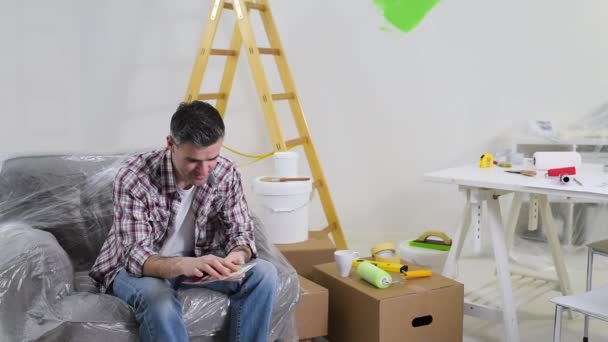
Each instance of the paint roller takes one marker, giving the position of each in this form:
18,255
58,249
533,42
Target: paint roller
374,275
381,278
552,160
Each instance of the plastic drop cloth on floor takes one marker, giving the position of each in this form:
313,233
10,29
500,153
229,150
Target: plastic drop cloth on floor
55,212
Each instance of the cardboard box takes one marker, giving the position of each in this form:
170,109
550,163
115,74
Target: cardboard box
312,310
423,309
318,249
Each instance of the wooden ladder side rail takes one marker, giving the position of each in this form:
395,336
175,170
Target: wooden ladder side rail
302,127
243,35
257,70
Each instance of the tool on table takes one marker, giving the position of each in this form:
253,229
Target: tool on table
565,174
416,274
374,275
284,179
385,252
386,266
502,164
550,160
424,240
486,160
570,170
564,179
529,173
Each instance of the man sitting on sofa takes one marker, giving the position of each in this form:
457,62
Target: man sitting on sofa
181,212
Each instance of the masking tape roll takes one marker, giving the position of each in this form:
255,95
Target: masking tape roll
373,275
385,252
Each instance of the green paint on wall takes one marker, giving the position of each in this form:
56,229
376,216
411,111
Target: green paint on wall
405,15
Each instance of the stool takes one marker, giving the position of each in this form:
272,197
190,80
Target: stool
592,303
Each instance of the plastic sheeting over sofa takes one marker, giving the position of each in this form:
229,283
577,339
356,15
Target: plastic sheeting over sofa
55,212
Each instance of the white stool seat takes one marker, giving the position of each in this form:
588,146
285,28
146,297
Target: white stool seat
593,303
599,246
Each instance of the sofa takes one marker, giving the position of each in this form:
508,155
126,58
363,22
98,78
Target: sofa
55,212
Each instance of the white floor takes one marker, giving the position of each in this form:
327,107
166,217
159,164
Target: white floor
536,317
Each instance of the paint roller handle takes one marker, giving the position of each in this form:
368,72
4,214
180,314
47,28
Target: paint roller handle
416,274
386,266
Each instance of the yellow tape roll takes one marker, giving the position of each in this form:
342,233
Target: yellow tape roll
385,252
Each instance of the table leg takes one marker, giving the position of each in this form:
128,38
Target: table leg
450,266
556,251
476,212
533,213
502,270
569,225
512,219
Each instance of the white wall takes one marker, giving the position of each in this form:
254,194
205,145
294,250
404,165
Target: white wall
383,108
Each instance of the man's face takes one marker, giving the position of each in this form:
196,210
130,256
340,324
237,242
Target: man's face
192,164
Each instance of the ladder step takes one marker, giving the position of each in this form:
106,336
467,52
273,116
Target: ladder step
228,52
223,52
296,142
249,4
321,233
270,51
317,184
211,96
284,96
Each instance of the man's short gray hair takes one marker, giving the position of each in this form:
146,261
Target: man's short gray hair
198,123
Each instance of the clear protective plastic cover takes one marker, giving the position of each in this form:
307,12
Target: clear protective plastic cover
55,212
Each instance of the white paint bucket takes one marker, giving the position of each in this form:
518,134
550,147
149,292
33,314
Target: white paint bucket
283,208
431,258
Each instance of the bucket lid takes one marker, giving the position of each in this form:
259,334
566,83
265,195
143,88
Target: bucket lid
281,188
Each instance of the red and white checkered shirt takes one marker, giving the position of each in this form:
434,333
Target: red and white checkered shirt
145,204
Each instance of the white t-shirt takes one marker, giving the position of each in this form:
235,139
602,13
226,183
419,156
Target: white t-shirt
180,236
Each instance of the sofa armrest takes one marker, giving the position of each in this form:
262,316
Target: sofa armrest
288,293
35,275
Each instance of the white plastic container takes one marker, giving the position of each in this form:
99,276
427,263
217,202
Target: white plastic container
285,164
430,258
284,209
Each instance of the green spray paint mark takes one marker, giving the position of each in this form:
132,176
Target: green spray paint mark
405,14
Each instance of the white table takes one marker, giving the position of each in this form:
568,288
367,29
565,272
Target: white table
487,185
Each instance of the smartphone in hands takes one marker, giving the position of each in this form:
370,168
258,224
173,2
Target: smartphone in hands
234,276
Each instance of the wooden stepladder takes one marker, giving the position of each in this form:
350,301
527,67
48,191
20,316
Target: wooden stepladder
243,35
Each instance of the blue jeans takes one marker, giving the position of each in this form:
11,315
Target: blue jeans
159,312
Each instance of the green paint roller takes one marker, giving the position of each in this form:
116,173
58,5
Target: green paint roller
374,275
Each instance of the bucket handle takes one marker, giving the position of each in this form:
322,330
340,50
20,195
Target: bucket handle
289,210
284,210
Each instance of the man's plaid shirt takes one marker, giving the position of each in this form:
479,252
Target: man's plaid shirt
145,204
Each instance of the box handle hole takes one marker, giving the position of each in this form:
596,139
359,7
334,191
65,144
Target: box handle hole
422,321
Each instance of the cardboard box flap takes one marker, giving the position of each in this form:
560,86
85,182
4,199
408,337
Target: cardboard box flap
315,242
410,286
312,310
307,286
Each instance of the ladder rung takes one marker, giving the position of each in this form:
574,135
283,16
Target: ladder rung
211,96
249,4
329,228
295,142
223,52
317,184
284,96
269,51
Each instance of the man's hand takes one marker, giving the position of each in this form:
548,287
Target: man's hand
209,264
239,255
